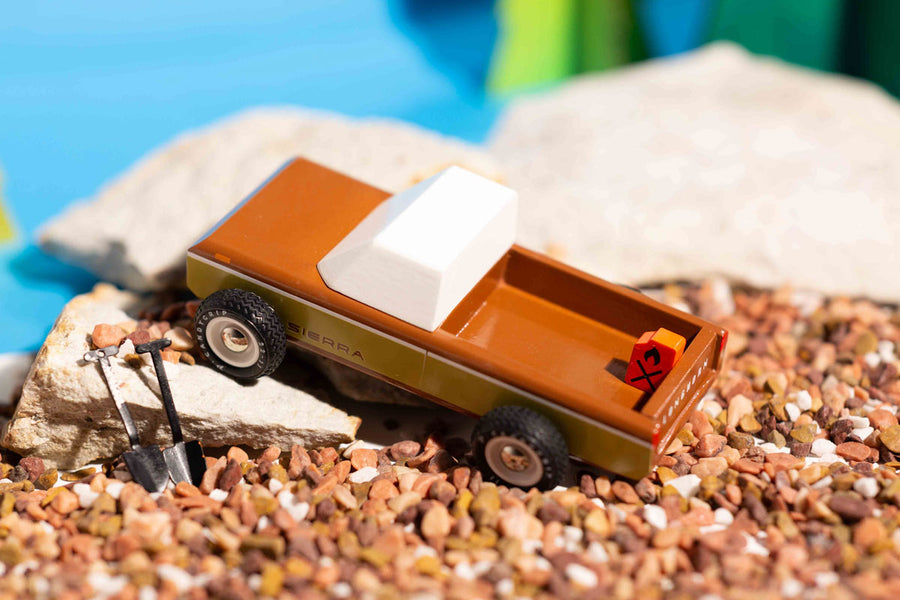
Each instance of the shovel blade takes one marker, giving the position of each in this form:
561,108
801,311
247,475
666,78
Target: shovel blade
148,468
185,462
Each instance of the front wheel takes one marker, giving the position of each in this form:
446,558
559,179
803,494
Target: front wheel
521,448
240,334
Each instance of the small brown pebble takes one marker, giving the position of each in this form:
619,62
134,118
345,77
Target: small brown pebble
64,502
741,441
710,445
33,466
853,451
270,454
745,465
890,437
849,507
782,461
188,358
47,479
139,336
801,450
238,454
230,475
405,449
363,457
625,493
172,356
105,335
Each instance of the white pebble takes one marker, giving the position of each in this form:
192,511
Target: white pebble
706,529
863,432
86,495
711,406
424,550
581,575
598,502
254,582
147,592
481,567
275,486
754,547
859,422
821,447
364,475
464,570
597,553
264,521
655,515
505,587
792,410
114,488
770,448
826,579
542,564
866,486
723,517
803,400
298,511
822,483
791,588
886,351
687,485
180,578
218,495
340,589
572,535
528,546
105,585
873,359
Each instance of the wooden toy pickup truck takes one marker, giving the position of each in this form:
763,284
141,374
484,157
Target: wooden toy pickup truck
536,349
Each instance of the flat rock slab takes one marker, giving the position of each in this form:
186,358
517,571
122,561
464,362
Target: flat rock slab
136,230
67,417
712,163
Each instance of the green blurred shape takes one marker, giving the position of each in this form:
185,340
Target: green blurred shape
871,43
804,32
7,232
544,41
534,44
608,34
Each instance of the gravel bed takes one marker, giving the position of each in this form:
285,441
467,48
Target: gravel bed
784,483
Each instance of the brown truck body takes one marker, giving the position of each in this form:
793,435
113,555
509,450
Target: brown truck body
533,331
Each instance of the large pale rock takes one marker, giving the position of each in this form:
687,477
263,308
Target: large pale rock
135,231
67,417
713,163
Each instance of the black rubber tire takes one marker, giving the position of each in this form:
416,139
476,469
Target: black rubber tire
531,428
255,315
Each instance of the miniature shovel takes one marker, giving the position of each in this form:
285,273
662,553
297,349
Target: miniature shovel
185,459
147,465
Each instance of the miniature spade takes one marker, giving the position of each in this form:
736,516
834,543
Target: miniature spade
185,459
147,465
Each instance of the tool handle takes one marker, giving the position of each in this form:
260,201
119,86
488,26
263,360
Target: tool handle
127,419
166,391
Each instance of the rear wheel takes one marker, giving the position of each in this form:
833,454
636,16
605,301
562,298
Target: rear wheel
521,448
240,334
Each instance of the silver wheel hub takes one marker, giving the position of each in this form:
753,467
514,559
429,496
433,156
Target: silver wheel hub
514,461
232,341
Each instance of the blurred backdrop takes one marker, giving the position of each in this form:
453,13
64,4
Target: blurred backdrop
86,89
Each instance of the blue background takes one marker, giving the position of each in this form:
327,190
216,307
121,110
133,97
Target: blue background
86,89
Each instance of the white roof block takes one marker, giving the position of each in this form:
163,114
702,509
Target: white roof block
419,253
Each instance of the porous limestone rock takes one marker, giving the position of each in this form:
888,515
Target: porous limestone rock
136,230
67,417
712,163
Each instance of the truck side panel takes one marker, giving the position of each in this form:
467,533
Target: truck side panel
316,327
588,440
